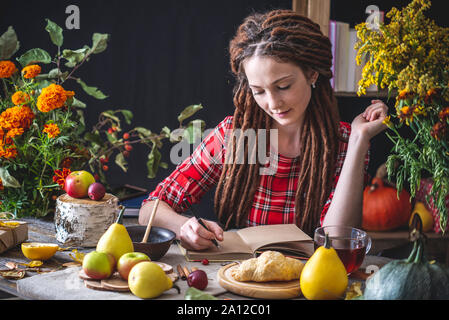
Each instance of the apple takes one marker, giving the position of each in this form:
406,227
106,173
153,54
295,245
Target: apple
98,265
77,183
96,191
129,260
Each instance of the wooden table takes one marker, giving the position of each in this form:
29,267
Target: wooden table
43,231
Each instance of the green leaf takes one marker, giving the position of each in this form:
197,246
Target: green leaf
55,32
188,112
92,91
8,44
100,42
8,180
94,138
74,57
143,131
128,115
111,115
193,293
121,162
154,159
194,130
34,56
78,104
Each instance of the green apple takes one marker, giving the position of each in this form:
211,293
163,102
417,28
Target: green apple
129,260
98,265
77,183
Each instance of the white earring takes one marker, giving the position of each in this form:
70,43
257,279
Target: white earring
313,85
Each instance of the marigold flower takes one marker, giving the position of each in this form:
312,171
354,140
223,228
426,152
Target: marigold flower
66,162
430,95
52,97
1,185
60,176
52,130
404,94
439,130
20,97
7,69
9,152
16,117
31,71
387,122
15,132
444,114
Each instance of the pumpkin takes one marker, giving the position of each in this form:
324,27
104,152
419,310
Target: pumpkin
424,214
382,210
413,278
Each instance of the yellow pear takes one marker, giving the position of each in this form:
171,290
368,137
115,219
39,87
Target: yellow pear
116,239
324,276
147,280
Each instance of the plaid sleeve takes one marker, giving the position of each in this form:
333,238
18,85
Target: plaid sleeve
197,174
345,130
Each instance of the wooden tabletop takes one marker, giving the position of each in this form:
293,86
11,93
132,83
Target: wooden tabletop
42,230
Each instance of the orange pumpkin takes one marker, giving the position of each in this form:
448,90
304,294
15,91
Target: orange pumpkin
382,210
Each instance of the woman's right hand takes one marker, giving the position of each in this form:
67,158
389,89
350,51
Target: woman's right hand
194,236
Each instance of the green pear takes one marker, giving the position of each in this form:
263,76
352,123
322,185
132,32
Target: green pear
116,239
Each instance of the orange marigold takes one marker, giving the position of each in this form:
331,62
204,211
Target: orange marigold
52,130
16,117
9,152
31,71
52,97
15,132
20,97
1,185
7,69
60,176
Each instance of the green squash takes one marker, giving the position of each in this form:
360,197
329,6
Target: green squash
413,278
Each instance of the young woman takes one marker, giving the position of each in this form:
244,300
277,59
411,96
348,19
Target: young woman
282,65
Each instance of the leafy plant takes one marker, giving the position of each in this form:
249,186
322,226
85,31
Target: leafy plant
43,135
410,55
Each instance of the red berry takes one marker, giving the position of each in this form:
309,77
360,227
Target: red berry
128,147
105,168
126,136
104,160
96,177
126,154
205,262
110,131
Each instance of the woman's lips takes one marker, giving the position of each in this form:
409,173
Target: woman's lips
282,114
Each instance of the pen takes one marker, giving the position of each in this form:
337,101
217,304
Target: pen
204,225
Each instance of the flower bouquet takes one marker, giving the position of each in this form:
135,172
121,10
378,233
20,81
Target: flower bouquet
43,136
410,55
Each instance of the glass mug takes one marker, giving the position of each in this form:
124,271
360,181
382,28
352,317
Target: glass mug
350,243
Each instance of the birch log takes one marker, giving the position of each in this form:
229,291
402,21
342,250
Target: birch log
81,222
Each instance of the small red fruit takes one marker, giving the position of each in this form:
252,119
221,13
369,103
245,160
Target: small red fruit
197,279
96,191
126,136
205,262
125,154
128,147
105,168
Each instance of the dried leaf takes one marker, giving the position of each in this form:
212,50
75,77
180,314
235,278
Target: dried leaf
32,264
71,264
13,274
77,256
354,291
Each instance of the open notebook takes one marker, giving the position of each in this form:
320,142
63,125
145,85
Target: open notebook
244,243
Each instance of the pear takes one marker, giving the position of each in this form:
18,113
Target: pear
116,239
324,276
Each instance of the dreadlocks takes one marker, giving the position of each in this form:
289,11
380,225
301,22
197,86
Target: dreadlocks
287,37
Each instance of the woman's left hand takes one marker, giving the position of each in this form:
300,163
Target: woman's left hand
369,123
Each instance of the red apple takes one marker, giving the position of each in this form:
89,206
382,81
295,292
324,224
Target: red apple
77,183
129,260
96,191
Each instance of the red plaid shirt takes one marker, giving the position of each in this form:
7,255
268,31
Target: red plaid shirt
274,200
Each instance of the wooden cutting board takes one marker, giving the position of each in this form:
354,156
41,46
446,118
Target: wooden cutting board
261,290
116,283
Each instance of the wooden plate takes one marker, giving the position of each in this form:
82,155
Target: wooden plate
261,290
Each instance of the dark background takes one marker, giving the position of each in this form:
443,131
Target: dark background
164,56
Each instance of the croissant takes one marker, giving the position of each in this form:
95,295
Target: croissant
269,266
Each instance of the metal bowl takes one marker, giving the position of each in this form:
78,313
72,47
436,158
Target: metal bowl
158,243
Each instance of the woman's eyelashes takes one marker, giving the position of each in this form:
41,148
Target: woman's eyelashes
255,93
